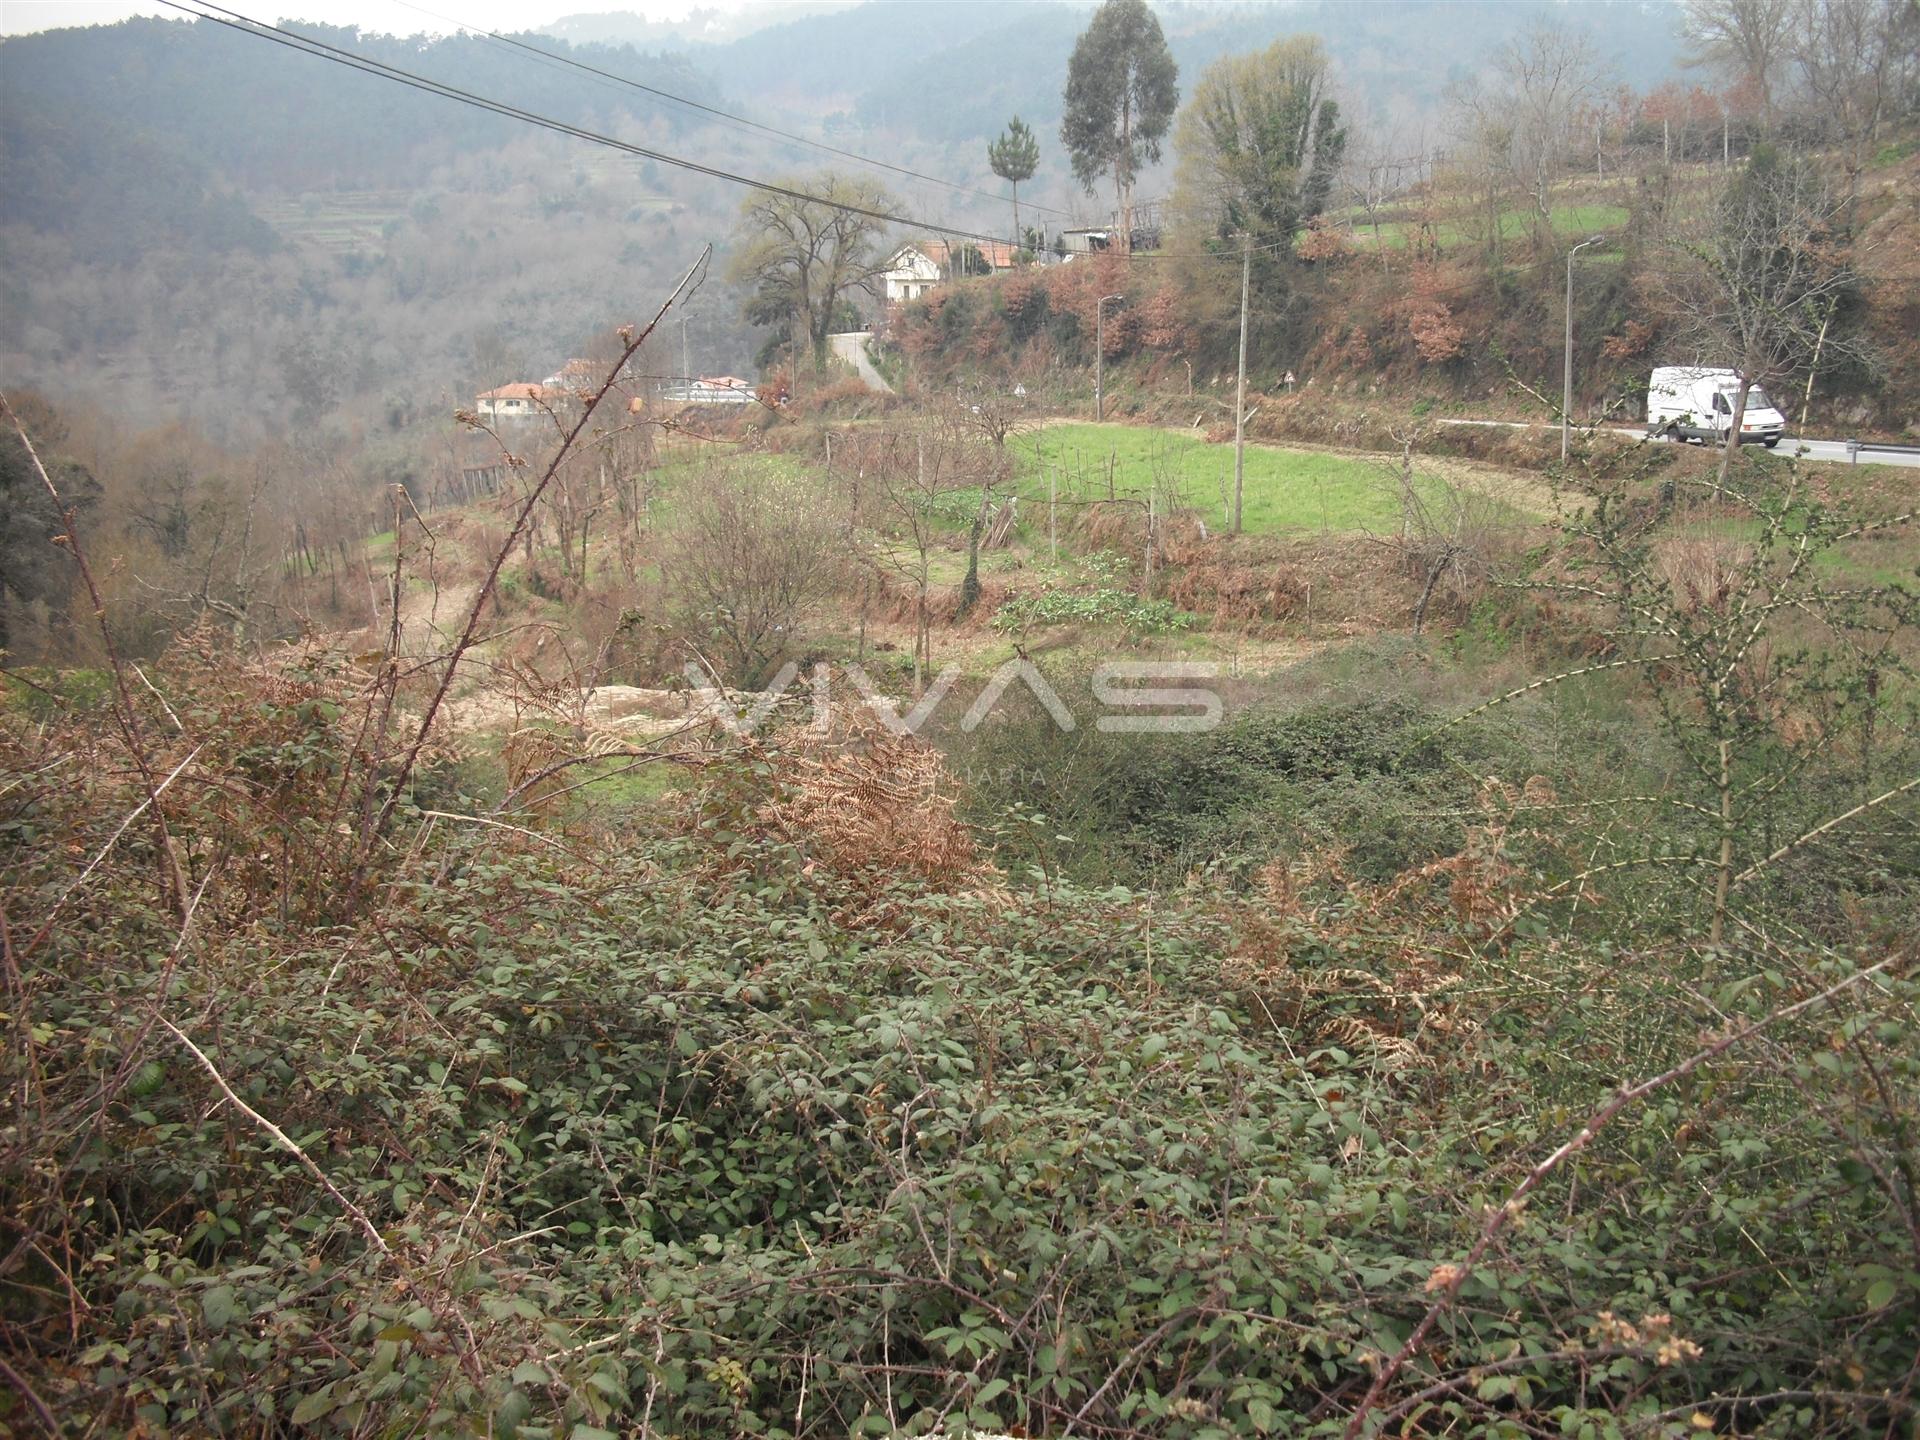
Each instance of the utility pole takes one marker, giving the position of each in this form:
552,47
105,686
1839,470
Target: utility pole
1240,384
1100,355
1566,371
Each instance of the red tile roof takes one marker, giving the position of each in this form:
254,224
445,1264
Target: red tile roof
524,390
997,253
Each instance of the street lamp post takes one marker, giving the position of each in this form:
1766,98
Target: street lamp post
1100,355
1566,373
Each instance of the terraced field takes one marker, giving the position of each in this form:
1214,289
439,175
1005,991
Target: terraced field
339,223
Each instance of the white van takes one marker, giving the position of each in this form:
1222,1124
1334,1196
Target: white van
1686,402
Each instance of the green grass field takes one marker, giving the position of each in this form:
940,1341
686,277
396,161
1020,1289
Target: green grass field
1514,225
1288,492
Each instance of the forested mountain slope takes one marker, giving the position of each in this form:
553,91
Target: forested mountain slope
185,205
270,119
1395,59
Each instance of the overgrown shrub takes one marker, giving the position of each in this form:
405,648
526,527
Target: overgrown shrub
1350,776
1021,613
581,1141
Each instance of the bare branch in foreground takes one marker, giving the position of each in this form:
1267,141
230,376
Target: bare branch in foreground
486,588
1456,1275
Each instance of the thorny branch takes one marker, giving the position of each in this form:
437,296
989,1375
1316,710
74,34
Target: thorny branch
1454,1276
634,340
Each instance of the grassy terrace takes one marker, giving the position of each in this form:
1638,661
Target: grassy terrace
337,223
1514,225
1288,492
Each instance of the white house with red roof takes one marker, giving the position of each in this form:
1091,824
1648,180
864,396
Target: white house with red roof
917,268
522,400
910,274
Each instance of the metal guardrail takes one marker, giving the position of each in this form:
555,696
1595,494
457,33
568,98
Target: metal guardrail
1854,447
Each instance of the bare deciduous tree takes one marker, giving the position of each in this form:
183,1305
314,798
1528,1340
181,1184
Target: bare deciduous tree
1380,166
1743,39
1712,617
993,413
745,559
803,259
1853,60
1448,532
1523,125
1757,284
917,477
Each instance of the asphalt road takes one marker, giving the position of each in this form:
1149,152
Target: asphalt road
1834,451
851,346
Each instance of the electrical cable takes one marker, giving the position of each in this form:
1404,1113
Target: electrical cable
319,49
725,115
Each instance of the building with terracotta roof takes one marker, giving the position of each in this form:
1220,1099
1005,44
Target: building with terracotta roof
910,274
522,400
1000,254
575,374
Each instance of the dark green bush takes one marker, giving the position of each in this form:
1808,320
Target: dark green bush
1350,775
644,1146
685,1136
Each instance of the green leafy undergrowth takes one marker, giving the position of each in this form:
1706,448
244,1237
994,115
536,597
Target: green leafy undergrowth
1348,775
660,1139
1106,605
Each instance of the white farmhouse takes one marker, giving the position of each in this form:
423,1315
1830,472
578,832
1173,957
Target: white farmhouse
721,390
521,401
910,274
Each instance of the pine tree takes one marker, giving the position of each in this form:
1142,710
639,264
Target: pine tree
1014,157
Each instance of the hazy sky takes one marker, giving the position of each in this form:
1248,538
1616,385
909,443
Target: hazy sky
20,16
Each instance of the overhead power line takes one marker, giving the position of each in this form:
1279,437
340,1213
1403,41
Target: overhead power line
725,115
319,49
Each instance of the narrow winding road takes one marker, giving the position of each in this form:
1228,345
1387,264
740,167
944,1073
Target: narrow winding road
851,346
1833,451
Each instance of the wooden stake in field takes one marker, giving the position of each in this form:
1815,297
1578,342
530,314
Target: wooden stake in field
920,628
1147,587
1053,532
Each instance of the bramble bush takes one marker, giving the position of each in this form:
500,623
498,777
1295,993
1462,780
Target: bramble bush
1348,775
675,1131
1021,613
